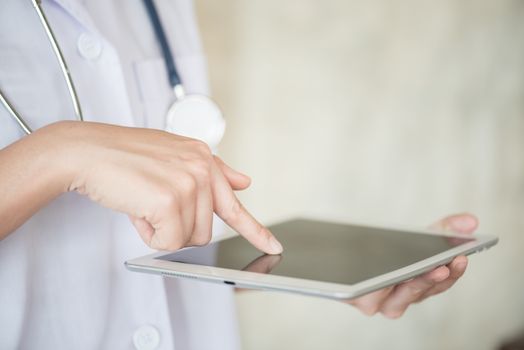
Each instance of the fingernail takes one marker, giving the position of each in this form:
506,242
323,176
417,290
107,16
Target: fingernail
463,223
461,266
275,245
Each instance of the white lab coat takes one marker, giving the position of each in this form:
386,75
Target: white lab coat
63,284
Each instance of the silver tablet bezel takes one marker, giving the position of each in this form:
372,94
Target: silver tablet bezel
252,280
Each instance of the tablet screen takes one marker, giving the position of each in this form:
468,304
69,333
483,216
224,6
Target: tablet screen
322,251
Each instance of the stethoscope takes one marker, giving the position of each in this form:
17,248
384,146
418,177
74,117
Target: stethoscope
191,115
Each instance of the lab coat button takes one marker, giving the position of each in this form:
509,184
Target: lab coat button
146,338
89,47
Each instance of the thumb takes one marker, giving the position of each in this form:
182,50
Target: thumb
460,223
237,180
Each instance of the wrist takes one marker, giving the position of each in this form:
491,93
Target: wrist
58,156
33,171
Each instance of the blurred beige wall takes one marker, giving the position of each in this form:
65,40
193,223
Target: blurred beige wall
385,112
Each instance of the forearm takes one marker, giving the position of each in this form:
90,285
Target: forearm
32,174
169,185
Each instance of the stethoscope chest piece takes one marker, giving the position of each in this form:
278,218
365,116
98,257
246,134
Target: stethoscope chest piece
198,117
191,115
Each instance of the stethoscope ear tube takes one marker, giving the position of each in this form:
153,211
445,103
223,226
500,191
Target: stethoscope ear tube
59,55
15,114
63,67
174,78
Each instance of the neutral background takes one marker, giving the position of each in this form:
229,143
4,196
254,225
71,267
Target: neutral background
385,112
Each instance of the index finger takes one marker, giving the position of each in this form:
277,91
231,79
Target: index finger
228,207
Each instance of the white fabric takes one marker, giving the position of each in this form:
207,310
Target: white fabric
63,284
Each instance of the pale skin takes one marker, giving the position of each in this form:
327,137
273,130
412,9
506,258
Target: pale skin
169,186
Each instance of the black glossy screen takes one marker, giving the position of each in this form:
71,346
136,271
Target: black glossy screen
323,251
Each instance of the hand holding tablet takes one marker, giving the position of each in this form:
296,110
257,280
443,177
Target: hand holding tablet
393,301
375,269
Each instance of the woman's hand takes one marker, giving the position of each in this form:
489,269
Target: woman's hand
393,301
169,185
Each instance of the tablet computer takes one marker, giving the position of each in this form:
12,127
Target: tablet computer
325,259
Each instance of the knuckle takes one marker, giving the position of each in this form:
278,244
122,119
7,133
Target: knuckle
186,184
173,246
201,148
236,208
167,201
416,291
201,169
233,212
201,240
263,232
175,242
165,243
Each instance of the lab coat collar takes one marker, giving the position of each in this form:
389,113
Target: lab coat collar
76,9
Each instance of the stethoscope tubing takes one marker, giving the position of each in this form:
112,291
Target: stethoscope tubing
174,78
63,67
14,113
160,34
